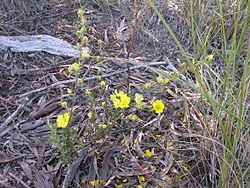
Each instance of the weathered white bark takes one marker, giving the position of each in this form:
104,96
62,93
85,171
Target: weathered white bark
37,43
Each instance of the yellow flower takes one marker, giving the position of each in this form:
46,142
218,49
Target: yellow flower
104,104
135,141
158,106
69,91
147,85
120,100
83,23
74,68
133,117
63,120
152,167
102,126
88,93
83,181
85,39
148,153
142,156
157,136
119,186
100,181
98,58
90,115
141,178
117,180
82,30
170,180
170,143
159,79
99,141
85,54
64,104
166,80
100,42
138,100
95,182
80,13
125,180
79,82
123,141
99,70
183,65
185,168
139,186
210,58
102,83
175,74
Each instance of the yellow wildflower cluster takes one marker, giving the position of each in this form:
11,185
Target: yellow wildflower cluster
63,120
120,100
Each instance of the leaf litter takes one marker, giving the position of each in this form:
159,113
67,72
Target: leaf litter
29,160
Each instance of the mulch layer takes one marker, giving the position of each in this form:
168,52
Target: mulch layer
28,99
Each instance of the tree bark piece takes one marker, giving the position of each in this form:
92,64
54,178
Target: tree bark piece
38,43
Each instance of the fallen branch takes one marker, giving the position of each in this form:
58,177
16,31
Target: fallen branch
86,79
13,115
